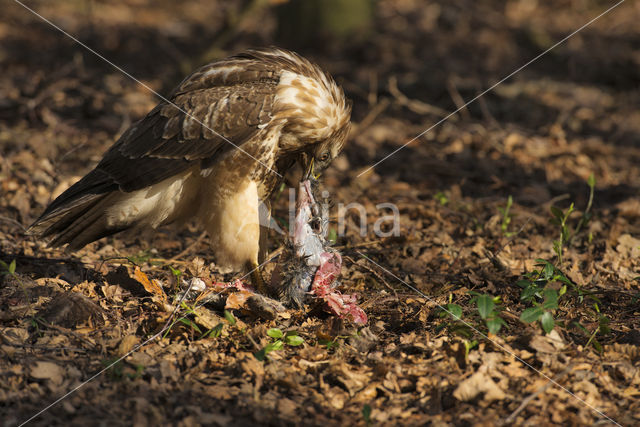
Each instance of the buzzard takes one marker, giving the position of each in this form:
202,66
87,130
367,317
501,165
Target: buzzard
214,150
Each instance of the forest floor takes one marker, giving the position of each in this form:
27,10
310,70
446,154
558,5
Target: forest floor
476,235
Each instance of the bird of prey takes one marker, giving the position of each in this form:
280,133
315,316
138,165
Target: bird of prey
213,152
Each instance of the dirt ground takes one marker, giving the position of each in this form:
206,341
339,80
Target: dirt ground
536,138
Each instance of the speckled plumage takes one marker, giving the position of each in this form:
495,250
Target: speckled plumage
210,154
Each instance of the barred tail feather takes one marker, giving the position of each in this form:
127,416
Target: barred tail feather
79,224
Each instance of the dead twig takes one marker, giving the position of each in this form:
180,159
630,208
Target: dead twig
415,105
65,331
457,99
375,273
189,248
12,221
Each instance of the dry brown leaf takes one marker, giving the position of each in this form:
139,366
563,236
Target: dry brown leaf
478,383
628,246
206,317
352,380
150,285
14,335
550,343
237,300
127,344
47,371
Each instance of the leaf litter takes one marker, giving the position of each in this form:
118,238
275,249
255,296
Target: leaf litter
65,317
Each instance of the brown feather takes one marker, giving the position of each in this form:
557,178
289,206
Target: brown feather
227,128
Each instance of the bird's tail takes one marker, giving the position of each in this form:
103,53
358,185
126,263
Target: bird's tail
77,216
79,224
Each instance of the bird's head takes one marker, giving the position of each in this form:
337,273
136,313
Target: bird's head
319,156
312,110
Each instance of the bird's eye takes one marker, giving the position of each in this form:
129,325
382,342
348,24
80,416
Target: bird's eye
324,156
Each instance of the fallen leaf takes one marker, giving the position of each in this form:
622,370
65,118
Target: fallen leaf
237,300
550,343
478,383
127,344
47,371
150,285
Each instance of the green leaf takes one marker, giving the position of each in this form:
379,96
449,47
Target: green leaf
604,325
582,328
333,235
216,331
531,314
177,273
366,414
495,323
591,181
547,322
260,355
528,293
548,270
485,305
597,346
293,340
232,320
463,331
275,333
468,346
12,267
557,212
550,299
454,310
190,323
274,346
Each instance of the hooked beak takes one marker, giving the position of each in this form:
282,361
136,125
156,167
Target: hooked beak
306,161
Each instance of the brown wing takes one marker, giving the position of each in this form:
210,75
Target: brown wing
217,109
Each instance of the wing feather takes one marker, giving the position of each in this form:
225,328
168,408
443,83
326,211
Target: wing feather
171,139
231,100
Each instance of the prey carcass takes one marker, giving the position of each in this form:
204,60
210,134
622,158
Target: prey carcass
309,268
